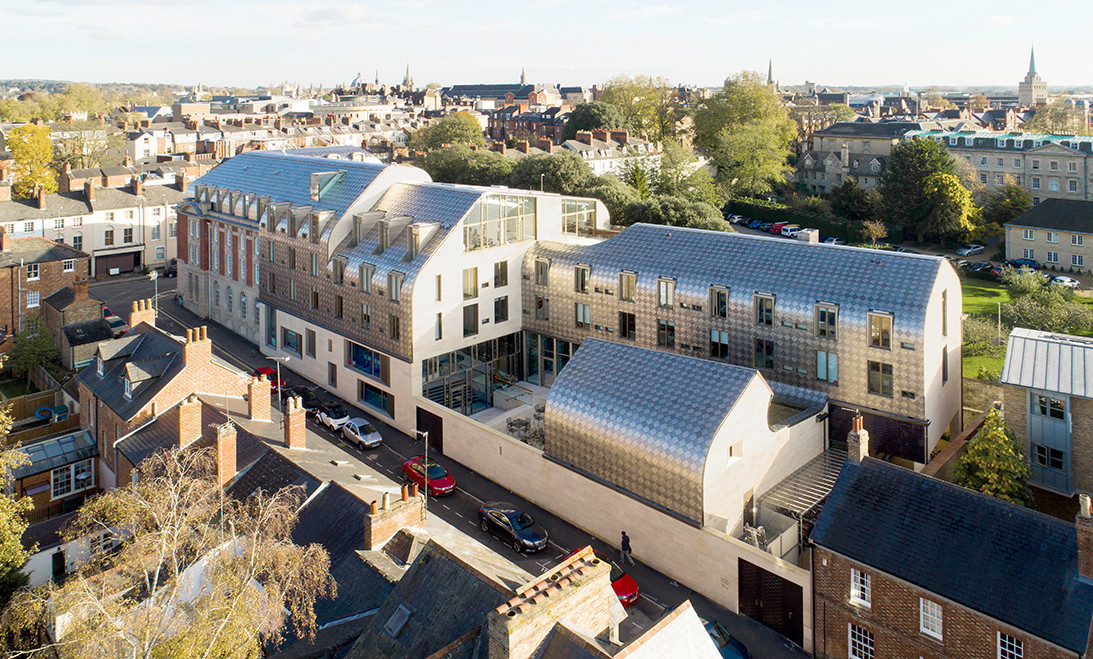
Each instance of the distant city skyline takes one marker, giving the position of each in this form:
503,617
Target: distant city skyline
247,43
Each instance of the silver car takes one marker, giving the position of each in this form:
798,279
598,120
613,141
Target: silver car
361,433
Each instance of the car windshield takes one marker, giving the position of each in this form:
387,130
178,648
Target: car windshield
336,411
436,472
521,521
718,633
616,572
367,429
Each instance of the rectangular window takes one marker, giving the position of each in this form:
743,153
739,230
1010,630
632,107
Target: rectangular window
364,274
501,309
393,327
1036,163
1052,237
1072,167
394,286
33,299
826,317
1054,408
438,327
764,353
628,282
1046,456
470,320
827,367
366,317
1017,163
945,313
127,235
172,230
880,378
376,398
542,272
982,159
1053,165
861,591
1035,182
666,293
310,343
581,275
944,365
161,253
929,618
627,325
470,283
719,302
314,299
1077,260
313,265
1071,185
999,162
77,242
542,308
1053,257
109,217
155,232
73,478
582,315
339,306
500,274
1028,234
108,237
1029,253
666,334
579,217
273,282
719,344
1077,239
59,223
764,310
292,289
339,272
68,265
1010,647
880,331
439,288
860,643
290,341
33,272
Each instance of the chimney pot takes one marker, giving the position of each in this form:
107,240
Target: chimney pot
386,500
405,492
373,508
857,441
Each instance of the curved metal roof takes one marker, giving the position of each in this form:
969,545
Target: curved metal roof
642,420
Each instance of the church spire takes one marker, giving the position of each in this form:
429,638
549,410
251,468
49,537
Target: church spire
408,81
1032,60
770,72
523,76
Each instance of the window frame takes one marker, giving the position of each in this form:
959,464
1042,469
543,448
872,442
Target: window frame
763,318
666,292
861,588
881,340
582,276
666,333
628,284
864,639
826,329
883,377
719,294
578,308
1016,649
931,613
628,326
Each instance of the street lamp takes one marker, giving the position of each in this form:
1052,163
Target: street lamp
424,436
280,393
154,276
541,175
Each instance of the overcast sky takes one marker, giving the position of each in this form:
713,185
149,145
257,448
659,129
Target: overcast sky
257,42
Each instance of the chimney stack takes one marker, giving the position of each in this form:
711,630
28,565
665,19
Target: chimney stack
546,144
5,240
1084,526
600,134
127,162
225,453
5,190
198,348
522,146
295,427
142,312
845,151
40,195
622,136
79,290
89,190
857,441
258,392
138,185
189,421
584,136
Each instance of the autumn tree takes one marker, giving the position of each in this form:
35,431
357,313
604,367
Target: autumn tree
588,116
993,463
458,128
178,531
84,144
874,230
649,105
1058,119
32,151
13,511
978,102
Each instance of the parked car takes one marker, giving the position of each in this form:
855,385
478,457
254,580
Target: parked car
118,326
961,263
980,266
172,269
361,433
518,529
271,374
626,589
439,481
970,249
332,415
905,250
835,241
765,226
1028,263
776,227
754,224
1069,282
791,230
307,396
737,219
729,647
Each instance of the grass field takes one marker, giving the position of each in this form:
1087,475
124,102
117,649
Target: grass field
14,389
981,297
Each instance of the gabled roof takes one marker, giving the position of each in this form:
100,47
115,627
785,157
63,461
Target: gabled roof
154,355
651,430
1057,215
1058,363
66,296
924,531
36,250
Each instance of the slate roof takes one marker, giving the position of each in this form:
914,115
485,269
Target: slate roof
67,204
892,129
654,446
270,473
1013,564
137,347
56,452
89,331
66,296
36,250
1057,215
1052,362
287,178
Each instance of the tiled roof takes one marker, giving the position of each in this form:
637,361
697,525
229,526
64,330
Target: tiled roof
1052,362
89,331
650,431
117,355
892,129
1007,562
65,296
56,452
1057,215
270,473
36,250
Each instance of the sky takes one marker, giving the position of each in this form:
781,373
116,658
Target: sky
248,43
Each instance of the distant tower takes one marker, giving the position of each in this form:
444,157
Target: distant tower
377,77
1032,90
407,81
770,72
523,77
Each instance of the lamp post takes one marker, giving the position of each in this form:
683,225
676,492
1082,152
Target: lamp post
280,394
154,276
541,175
424,436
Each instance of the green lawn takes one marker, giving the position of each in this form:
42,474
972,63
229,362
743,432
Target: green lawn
16,388
973,364
981,297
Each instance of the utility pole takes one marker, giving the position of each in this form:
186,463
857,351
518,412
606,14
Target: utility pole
424,436
154,276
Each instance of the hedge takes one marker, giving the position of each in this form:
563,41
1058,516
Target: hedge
828,225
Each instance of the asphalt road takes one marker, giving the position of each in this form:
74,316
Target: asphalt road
461,508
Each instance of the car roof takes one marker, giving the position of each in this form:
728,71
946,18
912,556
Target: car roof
359,421
501,507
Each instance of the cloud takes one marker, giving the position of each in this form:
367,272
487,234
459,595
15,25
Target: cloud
651,11
335,15
997,21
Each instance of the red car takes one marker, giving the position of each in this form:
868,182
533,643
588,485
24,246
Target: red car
440,481
271,375
626,589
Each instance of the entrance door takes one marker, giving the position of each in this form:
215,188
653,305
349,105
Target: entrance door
434,425
59,564
772,600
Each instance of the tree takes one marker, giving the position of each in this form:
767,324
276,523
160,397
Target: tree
85,144
1058,119
934,99
853,202
459,164
874,230
30,346
648,105
951,207
993,464
978,102
679,172
458,128
677,212
615,195
588,116
1049,308
563,172
13,522
176,528
907,197
32,151
747,133
1006,203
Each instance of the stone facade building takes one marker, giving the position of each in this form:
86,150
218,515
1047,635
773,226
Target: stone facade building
1032,90
1057,233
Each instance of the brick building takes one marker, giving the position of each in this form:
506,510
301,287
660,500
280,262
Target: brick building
905,565
74,319
32,269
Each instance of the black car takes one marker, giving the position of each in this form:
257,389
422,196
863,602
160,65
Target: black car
515,527
310,400
172,269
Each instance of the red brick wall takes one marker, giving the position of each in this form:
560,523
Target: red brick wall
183,238
893,618
14,288
379,528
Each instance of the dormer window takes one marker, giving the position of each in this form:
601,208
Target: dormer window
99,366
128,387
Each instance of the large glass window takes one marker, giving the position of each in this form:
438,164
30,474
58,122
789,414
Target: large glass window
72,478
1048,406
376,398
880,378
579,217
1045,456
880,331
583,315
499,220
666,334
719,302
826,316
366,361
291,341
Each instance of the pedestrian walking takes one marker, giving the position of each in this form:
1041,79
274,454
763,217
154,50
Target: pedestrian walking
624,549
